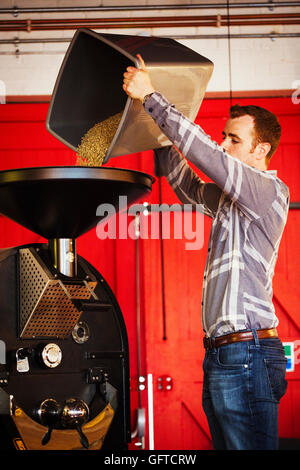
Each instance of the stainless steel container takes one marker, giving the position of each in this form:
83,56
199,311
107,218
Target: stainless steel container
88,89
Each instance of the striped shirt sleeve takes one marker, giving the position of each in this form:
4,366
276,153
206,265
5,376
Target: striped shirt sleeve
187,185
251,189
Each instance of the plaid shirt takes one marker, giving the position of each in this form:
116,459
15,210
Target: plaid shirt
249,209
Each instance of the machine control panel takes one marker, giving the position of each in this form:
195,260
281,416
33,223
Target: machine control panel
49,355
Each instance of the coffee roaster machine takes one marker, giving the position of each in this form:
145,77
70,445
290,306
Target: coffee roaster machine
65,379
64,361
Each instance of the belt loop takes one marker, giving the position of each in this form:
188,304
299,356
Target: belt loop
209,343
256,340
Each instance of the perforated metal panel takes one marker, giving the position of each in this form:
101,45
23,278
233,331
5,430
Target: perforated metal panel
82,291
46,307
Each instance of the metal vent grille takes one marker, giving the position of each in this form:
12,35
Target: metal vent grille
46,307
32,283
83,291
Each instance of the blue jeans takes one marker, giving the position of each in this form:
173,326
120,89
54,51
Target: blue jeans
243,384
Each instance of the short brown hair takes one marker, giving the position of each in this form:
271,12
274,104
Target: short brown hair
266,125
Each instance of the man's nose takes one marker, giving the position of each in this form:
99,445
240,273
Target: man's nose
224,144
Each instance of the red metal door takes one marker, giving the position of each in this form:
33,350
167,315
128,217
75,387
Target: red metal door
159,283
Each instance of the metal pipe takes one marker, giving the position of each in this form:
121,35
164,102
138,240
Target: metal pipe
162,264
174,36
150,22
157,18
270,5
64,256
138,300
142,25
236,36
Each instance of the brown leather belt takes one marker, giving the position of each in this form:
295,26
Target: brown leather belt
210,343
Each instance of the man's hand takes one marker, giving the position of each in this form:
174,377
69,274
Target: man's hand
137,83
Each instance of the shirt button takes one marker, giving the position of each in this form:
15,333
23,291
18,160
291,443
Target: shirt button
150,110
162,125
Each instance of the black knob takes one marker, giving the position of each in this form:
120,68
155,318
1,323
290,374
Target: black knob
74,413
49,413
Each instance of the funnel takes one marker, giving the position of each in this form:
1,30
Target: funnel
61,202
88,88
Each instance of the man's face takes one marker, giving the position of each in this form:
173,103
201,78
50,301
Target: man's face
238,138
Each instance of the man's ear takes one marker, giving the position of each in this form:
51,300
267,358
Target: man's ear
262,150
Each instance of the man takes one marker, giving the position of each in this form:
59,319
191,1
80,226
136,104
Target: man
244,365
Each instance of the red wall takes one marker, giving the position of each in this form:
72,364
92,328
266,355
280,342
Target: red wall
170,293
